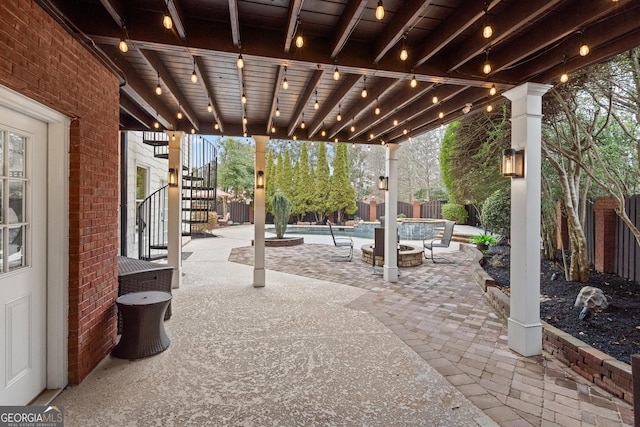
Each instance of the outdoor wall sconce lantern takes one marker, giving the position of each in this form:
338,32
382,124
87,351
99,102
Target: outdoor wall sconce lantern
513,163
173,177
260,179
383,183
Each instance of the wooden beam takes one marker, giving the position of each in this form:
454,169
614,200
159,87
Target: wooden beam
176,16
401,22
348,20
274,97
202,71
153,59
451,28
292,20
303,99
511,20
235,22
133,109
334,99
383,84
116,10
138,90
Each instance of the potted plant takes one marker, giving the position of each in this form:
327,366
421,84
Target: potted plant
483,241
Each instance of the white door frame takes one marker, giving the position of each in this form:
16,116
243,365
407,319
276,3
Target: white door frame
57,230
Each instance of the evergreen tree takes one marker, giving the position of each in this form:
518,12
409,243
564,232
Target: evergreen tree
286,179
342,196
270,184
278,175
323,185
303,187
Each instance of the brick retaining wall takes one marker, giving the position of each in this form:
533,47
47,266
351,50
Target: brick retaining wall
601,369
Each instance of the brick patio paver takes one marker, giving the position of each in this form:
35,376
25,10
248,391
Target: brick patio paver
439,311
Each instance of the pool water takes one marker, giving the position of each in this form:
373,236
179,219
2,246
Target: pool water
414,230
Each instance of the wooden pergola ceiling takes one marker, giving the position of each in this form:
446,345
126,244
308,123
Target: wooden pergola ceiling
533,40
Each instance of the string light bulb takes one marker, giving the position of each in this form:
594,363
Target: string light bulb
486,68
299,38
380,11
245,120
158,87
285,82
216,126
395,122
156,124
564,77
123,46
405,131
377,109
584,49
194,76
435,99
364,92
323,133
244,98
336,74
493,90
339,116
277,112
240,62
179,115
404,54
316,105
167,22
210,107
441,115
489,108
273,129
414,82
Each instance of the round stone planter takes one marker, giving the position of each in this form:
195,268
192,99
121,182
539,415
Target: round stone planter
409,256
273,242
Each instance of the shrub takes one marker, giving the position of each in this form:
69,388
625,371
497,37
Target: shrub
454,212
496,212
401,215
281,211
483,239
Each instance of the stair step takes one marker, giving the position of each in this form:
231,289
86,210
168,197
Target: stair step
192,178
155,143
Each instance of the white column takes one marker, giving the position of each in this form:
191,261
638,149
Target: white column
259,214
174,228
525,329
390,271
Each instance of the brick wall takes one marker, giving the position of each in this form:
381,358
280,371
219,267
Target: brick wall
40,60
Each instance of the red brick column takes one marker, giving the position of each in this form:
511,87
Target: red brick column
416,209
372,210
562,233
605,237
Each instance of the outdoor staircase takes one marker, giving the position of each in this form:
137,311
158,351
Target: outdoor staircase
199,183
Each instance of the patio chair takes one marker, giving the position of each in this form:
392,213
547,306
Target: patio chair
341,242
226,220
442,242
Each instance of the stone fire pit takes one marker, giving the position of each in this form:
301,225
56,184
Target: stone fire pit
409,256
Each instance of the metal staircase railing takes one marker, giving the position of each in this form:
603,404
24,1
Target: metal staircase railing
199,182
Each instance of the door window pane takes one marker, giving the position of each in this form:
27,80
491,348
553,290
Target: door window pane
16,155
16,202
2,135
16,249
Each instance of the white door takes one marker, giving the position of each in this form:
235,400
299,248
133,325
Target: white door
23,260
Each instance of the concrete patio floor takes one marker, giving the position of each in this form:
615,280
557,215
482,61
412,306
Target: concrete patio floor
328,343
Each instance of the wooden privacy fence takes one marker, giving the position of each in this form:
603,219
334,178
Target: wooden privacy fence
627,256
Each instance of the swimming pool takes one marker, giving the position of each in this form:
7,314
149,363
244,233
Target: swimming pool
409,229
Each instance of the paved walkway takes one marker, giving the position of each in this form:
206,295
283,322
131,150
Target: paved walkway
308,350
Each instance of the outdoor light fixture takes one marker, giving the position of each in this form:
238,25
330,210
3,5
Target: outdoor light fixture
489,108
413,82
435,99
240,62
179,115
339,116
260,179
316,105
336,74
216,126
156,125
564,77
513,163
173,177
377,110
364,92
441,115
379,11
210,107
493,90
243,99
383,182
299,38
466,108
285,82
404,55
